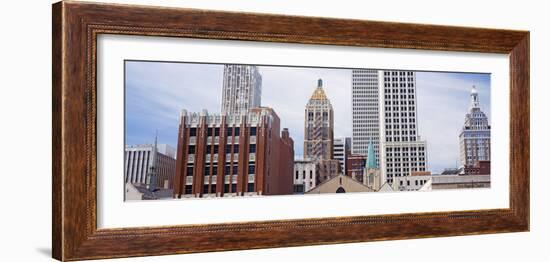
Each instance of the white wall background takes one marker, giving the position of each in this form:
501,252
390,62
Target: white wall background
25,82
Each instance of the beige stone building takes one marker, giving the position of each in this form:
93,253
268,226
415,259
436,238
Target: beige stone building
340,184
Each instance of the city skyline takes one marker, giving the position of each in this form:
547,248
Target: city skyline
443,100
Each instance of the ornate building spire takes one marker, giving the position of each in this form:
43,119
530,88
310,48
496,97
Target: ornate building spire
475,136
474,99
319,93
319,125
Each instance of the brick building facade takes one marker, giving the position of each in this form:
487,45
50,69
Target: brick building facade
233,155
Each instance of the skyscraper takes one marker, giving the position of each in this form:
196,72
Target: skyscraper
242,89
319,126
403,150
475,136
365,111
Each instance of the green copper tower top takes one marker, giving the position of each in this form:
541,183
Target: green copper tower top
371,158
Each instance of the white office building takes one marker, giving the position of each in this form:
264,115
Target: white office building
475,136
402,148
242,89
139,160
305,175
365,112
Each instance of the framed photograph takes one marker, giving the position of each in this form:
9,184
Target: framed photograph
181,130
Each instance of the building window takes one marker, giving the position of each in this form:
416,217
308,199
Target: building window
226,170
235,169
235,149
226,188
250,187
209,131
213,188
297,173
191,149
217,131
188,189
237,131
251,169
205,189
193,131
189,171
229,131
216,149
233,188
252,148
253,131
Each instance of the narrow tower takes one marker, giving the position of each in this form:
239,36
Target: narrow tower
475,136
319,126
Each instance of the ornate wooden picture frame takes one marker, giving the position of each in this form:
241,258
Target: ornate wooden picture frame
76,26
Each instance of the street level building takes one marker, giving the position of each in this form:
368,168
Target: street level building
242,89
414,182
475,136
355,165
233,155
328,168
140,160
306,173
439,182
318,126
480,168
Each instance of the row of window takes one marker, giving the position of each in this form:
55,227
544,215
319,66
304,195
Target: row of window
214,149
227,169
211,189
416,182
410,126
399,139
399,161
399,102
215,131
397,171
396,108
395,73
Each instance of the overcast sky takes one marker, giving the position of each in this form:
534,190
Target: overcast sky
156,92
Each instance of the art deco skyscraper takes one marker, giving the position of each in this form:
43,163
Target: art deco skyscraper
402,149
475,136
242,89
319,126
365,113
